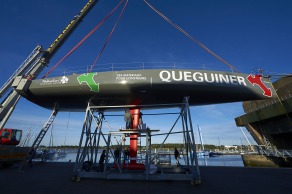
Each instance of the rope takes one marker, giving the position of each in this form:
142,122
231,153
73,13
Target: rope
190,37
109,37
82,41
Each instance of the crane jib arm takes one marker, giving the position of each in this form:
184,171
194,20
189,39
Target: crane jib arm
53,48
23,79
70,28
23,83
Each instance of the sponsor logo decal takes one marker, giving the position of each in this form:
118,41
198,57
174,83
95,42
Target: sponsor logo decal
257,80
64,80
61,80
188,76
216,78
88,79
130,77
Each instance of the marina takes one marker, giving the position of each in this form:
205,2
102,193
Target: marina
224,160
109,158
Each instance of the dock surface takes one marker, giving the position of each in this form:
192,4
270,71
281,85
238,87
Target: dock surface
55,177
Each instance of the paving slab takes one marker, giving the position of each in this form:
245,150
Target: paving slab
56,177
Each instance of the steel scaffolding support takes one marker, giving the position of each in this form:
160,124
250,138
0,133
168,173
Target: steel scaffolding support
94,134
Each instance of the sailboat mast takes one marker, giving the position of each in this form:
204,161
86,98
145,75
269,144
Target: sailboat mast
201,139
247,139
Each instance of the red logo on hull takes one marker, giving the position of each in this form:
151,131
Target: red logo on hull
257,79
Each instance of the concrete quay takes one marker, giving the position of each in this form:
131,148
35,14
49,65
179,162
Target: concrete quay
55,177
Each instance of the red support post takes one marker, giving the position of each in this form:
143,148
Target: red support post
134,137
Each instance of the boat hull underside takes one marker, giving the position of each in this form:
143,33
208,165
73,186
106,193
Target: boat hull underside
144,87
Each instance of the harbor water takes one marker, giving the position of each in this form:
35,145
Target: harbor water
222,160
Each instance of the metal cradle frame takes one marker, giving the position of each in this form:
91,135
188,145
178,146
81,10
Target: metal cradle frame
93,134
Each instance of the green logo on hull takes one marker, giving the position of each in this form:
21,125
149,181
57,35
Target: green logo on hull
88,79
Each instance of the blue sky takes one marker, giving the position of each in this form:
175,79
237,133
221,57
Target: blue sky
248,34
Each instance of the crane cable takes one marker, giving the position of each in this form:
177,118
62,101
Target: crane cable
83,40
190,37
109,37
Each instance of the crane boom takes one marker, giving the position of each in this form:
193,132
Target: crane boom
21,69
58,42
21,79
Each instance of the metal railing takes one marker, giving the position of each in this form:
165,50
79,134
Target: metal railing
135,66
273,151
